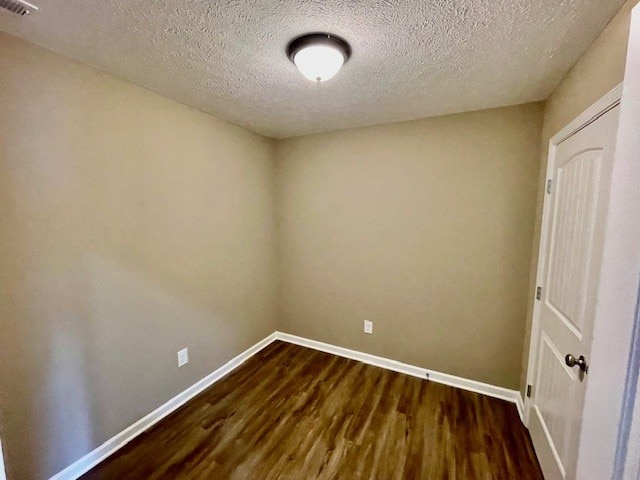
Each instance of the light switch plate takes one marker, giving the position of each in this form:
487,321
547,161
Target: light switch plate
368,327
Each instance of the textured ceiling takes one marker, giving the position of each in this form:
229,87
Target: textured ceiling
411,59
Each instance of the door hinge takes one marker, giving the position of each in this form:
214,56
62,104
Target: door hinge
549,184
529,389
538,293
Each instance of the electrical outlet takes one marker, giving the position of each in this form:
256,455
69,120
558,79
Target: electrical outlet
368,327
183,357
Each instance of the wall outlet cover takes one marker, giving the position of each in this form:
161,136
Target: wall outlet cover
183,357
368,327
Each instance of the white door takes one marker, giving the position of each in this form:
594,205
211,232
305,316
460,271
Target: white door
575,215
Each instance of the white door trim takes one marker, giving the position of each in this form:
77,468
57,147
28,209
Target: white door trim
602,106
3,475
627,464
626,230
609,101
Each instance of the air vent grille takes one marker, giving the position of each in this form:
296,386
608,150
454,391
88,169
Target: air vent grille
18,7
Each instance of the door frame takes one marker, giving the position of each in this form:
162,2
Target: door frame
605,104
609,442
3,475
602,106
627,232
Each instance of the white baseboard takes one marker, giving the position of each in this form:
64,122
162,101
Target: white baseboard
90,460
520,406
512,396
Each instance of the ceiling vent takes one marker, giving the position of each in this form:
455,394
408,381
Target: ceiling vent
19,7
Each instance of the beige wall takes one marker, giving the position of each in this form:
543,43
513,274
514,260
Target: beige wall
130,227
598,71
423,227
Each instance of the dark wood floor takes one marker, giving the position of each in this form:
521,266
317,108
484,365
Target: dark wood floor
295,413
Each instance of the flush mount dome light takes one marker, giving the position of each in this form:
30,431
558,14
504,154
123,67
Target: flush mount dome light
318,56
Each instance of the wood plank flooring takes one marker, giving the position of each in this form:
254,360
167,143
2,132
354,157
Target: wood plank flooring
294,413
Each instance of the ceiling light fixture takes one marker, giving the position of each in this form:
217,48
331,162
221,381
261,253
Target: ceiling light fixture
318,56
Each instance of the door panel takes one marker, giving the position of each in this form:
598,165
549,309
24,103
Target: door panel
554,390
577,198
581,171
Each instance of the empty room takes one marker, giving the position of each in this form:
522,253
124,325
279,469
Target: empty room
319,239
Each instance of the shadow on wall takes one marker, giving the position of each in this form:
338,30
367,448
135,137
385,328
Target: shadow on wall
130,227
147,322
111,359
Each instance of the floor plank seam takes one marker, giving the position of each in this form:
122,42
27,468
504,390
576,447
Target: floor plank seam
121,440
